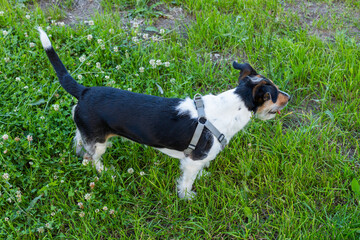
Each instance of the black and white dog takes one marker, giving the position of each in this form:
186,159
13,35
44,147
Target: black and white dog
167,124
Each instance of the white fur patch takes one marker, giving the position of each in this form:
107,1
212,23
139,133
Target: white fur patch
45,41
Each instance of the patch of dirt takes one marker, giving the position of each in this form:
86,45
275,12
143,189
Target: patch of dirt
323,20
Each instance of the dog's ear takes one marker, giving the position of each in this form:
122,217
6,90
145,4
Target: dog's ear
245,70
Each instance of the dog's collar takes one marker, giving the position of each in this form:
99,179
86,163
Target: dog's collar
203,122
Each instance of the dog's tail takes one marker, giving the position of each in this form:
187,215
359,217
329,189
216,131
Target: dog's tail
66,81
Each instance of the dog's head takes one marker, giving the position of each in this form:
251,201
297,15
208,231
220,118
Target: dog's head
260,94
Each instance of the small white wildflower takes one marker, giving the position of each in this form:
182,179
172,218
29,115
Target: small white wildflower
89,37
141,69
99,40
111,30
172,81
62,181
48,225
26,87
82,214
17,79
5,151
145,36
152,61
167,64
112,211
27,16
136,74
5,32
105,208
142,173
55,177
107,77
135,39
26,35
79,76
5,137
97,210
102,46
53,214
158,62
162,31
116,49
96,179
9,200
85,162
29,138
87,196
6,219
61,24
91,23
154,38
82,58
81,205
6,176
135,25
92,185
98,65
42,117
56,107
129,89
113,177
118,67
6,59
31,163
130,170
1,13
41,229
48,28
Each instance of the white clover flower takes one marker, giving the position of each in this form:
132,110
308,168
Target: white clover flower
5,32
91,23
6,176
87,196
56,107
105,208
81,205
5,137
116,49
26,35
162,31
158,62
154,38
62,181
130,170
113,177
135,39
129,89
9,200
26,87
92,185
41,229
79,76
107,77
135,25
89,37
29,138
31,163
27,16
97,210
61,24
98,65
82,214
7,219
152,61
5,151
42,117
102,46
118,67
167,64
99,40
6,59
82,58
85,162
17,79
111,31
55,177
145,36
48,225
48,28
53,214
141,69
136,74
142,173
112,211
1,13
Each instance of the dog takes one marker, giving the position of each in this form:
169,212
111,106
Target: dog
173,126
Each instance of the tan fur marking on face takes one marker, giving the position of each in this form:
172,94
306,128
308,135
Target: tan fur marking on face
267,106
282,100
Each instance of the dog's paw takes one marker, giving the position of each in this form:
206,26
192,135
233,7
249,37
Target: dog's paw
187,195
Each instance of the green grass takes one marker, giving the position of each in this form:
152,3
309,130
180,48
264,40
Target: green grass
295,177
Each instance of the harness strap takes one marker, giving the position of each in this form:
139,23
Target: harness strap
203,122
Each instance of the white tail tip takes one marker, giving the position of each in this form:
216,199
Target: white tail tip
45,41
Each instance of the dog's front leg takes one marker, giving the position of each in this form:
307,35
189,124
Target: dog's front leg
189,169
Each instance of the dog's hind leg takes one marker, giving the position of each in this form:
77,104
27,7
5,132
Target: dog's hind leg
189,169
100,149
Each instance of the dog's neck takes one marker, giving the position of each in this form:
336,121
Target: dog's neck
226,111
